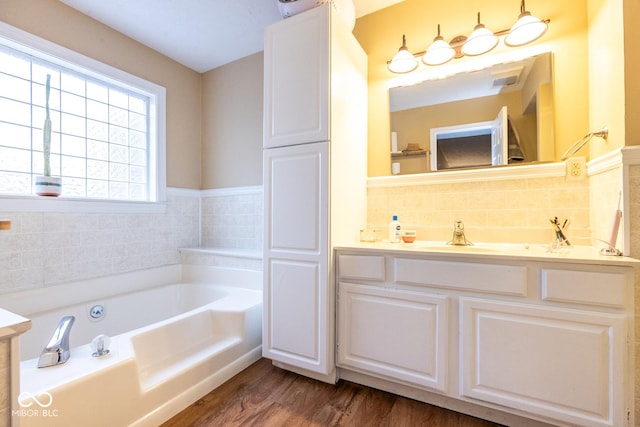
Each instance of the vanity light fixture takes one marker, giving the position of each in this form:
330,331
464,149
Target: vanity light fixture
440,52
527,29
403,61
482,40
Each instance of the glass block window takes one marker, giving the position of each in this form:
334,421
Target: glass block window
102,140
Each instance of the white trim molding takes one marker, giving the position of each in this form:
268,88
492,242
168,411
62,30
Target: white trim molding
232,191
496,173
628,155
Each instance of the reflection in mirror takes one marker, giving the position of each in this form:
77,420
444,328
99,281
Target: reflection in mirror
500,115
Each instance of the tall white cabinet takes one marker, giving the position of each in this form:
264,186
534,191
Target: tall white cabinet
315,112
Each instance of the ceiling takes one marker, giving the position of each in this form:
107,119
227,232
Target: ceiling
493,80
201,34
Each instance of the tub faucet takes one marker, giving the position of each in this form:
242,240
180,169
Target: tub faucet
57,351
459,239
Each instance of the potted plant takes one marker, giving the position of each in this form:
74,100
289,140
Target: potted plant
47,185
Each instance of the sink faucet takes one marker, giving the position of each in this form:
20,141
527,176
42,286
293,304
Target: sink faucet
57,351
459,239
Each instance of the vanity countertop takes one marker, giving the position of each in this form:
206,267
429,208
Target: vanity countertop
496,251
12,324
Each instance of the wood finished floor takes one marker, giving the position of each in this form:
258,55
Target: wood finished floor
263,395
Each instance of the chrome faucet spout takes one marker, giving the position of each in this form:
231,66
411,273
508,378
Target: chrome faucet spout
459,239
57,351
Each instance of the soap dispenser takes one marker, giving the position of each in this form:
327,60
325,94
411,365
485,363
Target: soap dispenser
394,230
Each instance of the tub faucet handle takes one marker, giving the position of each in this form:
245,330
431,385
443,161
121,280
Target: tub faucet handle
100,345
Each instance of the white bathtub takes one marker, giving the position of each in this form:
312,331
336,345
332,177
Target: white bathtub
172,341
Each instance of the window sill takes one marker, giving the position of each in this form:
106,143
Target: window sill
62,204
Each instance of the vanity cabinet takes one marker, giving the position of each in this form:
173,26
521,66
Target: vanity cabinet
314,177
377,322
565,364
540,338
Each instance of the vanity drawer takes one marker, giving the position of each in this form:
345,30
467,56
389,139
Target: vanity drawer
361,267
584,287
492,278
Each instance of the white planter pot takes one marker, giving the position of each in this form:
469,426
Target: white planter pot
48,185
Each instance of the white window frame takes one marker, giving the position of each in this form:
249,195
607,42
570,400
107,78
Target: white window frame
49,51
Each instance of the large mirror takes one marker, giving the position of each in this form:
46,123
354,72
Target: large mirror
499,115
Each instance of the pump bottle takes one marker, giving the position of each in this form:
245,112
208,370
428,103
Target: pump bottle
394,230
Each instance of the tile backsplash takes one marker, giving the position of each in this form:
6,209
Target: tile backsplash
509,211
48,248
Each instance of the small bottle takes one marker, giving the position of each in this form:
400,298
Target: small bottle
394,230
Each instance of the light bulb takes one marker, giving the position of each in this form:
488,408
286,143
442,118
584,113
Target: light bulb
480,41
527,29
439,52
403,61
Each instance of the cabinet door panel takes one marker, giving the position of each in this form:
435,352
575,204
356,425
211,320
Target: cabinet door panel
296,73
397,334
563,363
296,198
584,287
298,294
293,304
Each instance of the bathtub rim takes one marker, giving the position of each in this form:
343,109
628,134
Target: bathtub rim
36,300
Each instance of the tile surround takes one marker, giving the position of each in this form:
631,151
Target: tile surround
86,245
49,248
232,218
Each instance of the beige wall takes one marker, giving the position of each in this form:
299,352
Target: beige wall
380,34
232,124
60,24
606,72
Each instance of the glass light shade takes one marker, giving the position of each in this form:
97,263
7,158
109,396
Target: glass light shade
527,29
438,53
403,61
480,41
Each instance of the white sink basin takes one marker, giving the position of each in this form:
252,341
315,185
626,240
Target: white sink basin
475,248
501,248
